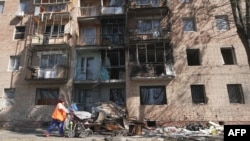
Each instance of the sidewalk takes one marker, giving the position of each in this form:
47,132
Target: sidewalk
37,134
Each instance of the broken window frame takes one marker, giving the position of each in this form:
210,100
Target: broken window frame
14,63
161,68
113,64
189,24
228,56
153,95
222,23
193,57
235,93
148,26
198,94
19,32
46,96
113,31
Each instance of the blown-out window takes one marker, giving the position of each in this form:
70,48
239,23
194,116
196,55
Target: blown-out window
153,95
228,56
235,93
148,26
198,94
193,57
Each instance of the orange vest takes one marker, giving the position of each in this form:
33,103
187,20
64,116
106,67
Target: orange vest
59,114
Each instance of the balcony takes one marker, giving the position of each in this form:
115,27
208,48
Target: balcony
40,2
94,11
103,40
56,73
134,4
152,71
47,40
136,35
104,75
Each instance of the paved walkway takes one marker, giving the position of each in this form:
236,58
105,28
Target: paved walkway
36,134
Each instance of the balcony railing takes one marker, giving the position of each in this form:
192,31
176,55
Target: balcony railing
110,74
98,11
146,3
44,39
105,39
136,34
38,2
160,70
54,73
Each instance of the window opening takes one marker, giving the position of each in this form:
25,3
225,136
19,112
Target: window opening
235,93
228,56
189,24
118,96
47,96
193,57
153,95
14,63
222,22
198,94
9,95
1,6
85,99
20,32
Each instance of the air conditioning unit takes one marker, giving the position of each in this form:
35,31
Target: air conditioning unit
20,14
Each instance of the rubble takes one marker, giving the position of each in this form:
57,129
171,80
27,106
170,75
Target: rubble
110,112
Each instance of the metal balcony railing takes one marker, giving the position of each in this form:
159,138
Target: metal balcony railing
104,39
98,11
49,73
104,74
38,2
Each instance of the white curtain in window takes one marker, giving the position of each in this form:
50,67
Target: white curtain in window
89,35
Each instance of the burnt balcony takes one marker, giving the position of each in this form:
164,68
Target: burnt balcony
136,34
104,75
103,40
152,71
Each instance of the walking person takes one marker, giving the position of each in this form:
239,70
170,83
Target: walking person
58,117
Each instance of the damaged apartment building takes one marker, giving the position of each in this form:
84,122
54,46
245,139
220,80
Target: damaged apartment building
162,60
